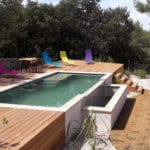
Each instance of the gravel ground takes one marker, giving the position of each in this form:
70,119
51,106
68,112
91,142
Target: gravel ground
82,144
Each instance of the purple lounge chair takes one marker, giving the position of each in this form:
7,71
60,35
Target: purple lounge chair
3,70
88,56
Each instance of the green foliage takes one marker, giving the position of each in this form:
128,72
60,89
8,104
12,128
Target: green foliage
128,73
72,25
88,133
79,26
11,27
117,81
110,59
88,127
147,36
89,130
5,120
142,7
138,41
116,32
140,72
98,59
94,143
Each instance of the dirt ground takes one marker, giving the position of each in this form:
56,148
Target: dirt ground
132,129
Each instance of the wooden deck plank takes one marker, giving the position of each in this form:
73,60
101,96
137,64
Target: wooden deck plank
22,125
40,125
48,130
19,116
95,67
31,129
7,112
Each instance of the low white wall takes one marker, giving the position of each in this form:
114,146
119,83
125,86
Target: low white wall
92,97
72,111
102,120
109,77
109,91
122,96
107,116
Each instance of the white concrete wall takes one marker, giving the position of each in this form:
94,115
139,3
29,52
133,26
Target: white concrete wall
103,120
109,78
72,111
95,97
107,116
119,105
109,91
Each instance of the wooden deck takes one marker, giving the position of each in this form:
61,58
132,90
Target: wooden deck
31,129
38,129
78,66
95,67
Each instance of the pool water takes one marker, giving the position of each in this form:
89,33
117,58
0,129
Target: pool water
54,90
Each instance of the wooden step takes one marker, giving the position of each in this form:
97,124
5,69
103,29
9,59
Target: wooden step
118,75
129,82
134,85
140,89
123,79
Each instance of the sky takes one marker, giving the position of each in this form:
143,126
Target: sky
143,18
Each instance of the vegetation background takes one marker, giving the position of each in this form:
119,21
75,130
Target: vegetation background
72,25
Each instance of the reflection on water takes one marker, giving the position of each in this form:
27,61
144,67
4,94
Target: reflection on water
31,87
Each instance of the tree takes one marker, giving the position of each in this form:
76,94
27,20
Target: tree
11,17
41,26
142,7
145,8
138,42
72,25
79,25
116,31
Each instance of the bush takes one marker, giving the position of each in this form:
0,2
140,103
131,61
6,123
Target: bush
140,72
110,59
128,73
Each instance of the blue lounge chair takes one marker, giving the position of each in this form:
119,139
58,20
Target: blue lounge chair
88,56
48,60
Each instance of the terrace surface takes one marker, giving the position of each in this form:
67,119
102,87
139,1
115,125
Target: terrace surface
25,127
31,129
38,129
78,66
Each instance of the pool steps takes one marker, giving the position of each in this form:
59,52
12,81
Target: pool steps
56,78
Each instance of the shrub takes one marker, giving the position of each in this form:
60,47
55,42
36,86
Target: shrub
140,72
128,73
110,59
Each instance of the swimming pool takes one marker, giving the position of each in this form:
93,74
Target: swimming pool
54,90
